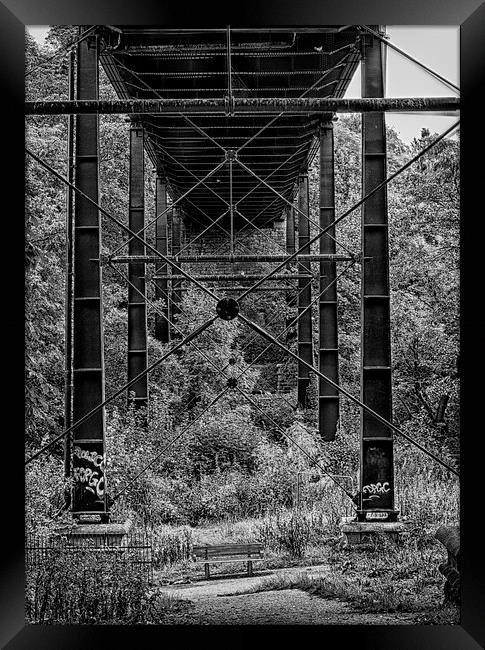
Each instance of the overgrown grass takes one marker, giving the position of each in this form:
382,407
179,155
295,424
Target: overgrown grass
86,587
382,577
171,545
292,533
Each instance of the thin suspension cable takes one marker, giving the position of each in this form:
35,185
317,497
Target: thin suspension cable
278,195
222,370
354,399
182,115
118,392
243,393
170,207
213,223
168,445
293,206
352,208
250,222
122,225
293,322
185,168
272,121
63,50
408,56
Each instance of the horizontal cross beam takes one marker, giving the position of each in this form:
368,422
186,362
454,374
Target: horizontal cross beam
245,105
193,259
231,278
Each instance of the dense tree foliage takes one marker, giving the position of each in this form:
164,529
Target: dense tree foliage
233,458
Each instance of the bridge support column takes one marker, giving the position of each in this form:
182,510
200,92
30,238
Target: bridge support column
328,397
376,498
162,329
137,319
89,494
290,249
305,344
175,292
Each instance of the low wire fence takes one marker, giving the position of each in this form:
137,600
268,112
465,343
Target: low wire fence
135,550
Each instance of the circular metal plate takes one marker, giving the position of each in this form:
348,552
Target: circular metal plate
227,308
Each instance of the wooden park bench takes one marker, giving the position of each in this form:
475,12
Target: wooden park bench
214,554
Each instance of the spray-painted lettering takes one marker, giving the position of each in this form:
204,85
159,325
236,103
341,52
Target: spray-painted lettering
374,490
93,480
91,456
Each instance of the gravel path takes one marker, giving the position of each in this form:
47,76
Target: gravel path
220,602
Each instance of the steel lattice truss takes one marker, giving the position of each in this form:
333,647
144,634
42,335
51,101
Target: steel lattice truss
234,171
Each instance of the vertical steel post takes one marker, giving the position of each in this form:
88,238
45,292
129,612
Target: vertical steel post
162,330
176,284
89,490
69,277
290,249
328,397
376,462
305,344
137,317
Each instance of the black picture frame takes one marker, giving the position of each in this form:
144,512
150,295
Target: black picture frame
470,15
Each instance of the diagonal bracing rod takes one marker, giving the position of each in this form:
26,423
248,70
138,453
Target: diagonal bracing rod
390,45
355,400
243,393
352,208
170,207
123,388
121,224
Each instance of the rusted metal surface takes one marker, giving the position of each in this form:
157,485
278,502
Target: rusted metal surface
69,275
193,259
175,295
174,106
137,315
240,277
89,489
162,330
377,465
328,397
290,249
304,328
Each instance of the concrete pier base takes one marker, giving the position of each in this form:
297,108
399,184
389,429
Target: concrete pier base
96,534
361,532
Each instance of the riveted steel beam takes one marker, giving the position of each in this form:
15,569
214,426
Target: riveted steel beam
290,249
162,330
376,494
89,489
193,259
176,244
243,105
137,316
328,396
305,343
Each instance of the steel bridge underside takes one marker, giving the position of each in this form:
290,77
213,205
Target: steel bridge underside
232,158
223,65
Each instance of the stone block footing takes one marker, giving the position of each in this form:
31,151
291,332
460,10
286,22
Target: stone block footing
362,532
110,534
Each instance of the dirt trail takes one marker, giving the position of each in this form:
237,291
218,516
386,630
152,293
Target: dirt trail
219,602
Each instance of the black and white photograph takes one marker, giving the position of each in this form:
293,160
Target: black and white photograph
243,361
